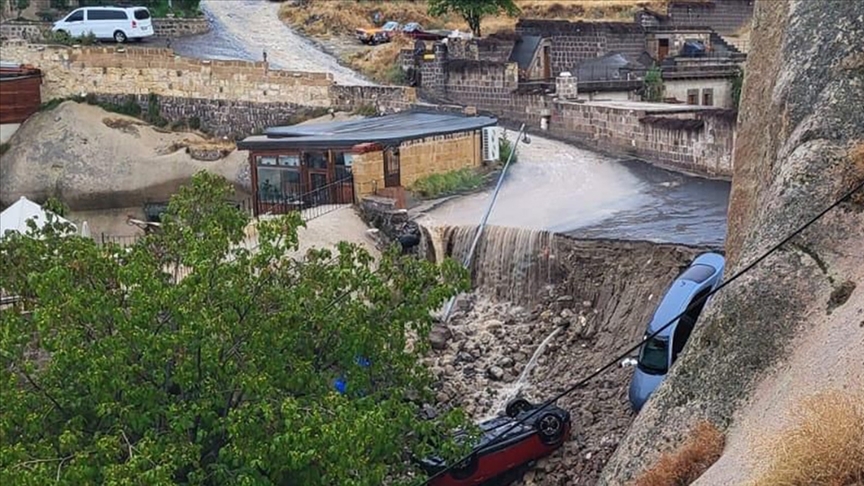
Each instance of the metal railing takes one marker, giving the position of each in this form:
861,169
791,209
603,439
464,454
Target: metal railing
311,204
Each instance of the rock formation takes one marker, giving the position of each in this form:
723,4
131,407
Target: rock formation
92,159
800,146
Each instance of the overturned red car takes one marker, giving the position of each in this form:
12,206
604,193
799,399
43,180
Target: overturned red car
503,459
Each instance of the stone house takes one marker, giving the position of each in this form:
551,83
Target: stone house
340,162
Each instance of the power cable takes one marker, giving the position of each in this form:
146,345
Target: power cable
626,353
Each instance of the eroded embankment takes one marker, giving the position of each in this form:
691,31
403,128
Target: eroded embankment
599,292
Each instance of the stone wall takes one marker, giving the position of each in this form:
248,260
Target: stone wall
693,141
724,16
232,98
439,154
35,31
368,172
573,42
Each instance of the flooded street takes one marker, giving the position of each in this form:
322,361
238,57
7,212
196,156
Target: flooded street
554,186
245,29
560,188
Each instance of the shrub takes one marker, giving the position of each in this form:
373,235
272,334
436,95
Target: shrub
505,147
684,465
436,185
825,446
4,147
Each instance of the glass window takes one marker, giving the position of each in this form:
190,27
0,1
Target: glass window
76,16
267,160
697,273
142,14
106,14
653,356
315,160
278,185
346,159
289,160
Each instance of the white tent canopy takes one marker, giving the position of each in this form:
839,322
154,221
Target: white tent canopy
15,217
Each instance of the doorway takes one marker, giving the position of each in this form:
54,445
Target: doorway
316,178
392,171
662,49
547,62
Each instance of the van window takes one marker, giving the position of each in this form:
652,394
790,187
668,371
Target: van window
76,16
106,15
653,356
142,14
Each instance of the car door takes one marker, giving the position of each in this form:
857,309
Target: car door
74,23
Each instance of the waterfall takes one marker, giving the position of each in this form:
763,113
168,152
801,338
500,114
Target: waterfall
512,264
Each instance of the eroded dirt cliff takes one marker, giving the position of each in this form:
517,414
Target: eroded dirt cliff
794,324
597,294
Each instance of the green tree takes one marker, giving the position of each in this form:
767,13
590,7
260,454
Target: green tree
56,206
473,11
737,85
20,6
115,370
652,88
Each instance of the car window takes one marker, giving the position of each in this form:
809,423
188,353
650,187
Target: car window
390,25
106,15
142,14
76,16
653,356
697,273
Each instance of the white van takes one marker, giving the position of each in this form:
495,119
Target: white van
118,23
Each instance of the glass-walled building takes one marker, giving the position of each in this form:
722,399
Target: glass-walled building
335,163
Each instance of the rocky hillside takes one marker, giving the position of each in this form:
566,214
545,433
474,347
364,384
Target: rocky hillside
795,324
95,159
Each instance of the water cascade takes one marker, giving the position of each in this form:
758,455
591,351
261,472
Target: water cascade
512,390
511,264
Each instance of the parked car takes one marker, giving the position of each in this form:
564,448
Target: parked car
658,354
504,458
415,31
378,35
118,23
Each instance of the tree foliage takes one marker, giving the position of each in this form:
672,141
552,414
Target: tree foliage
737,85
115,370
653,85
473,11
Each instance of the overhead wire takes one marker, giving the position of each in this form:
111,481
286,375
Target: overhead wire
613,362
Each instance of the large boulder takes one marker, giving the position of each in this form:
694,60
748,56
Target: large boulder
93,159
800,146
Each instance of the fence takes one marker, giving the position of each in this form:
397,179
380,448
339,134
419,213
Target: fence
312,204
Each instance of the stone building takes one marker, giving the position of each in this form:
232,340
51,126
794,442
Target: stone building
338,163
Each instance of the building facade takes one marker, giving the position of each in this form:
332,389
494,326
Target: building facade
300,166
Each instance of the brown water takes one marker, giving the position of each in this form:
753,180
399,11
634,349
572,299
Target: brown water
512,264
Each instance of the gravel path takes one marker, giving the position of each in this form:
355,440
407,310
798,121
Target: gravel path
255,25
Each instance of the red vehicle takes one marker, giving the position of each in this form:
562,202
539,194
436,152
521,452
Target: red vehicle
506,457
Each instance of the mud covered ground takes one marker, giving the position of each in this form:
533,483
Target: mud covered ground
601,297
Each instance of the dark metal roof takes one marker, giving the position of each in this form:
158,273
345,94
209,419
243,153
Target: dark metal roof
390,129
524,49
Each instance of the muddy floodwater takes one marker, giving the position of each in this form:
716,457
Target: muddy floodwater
560,188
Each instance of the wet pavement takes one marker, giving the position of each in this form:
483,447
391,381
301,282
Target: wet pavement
560,188
246,29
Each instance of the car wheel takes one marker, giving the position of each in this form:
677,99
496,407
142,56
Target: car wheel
550,427
465,468
119,37
517,406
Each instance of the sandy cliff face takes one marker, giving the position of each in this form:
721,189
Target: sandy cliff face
795,324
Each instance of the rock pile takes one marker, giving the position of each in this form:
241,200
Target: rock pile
480,355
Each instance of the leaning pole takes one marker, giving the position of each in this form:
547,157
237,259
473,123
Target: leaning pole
470,256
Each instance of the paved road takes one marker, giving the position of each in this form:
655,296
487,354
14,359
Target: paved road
245,29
